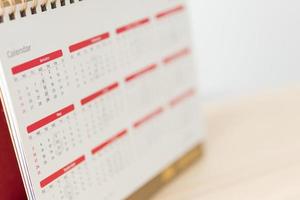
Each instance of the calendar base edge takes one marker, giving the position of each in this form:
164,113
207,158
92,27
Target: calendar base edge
168,174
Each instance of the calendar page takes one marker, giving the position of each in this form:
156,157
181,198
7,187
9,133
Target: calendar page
100,95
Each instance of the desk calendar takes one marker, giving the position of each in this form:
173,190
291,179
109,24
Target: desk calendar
100,96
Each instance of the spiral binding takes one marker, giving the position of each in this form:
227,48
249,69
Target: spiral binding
22,8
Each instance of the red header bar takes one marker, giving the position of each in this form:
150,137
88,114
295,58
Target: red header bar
88,42
99,93
182,97
148,117
62,171
177,55
109,141
133,25
141,72
170,12
50,118
36,62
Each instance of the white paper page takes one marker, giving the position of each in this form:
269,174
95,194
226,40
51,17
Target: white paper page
101,95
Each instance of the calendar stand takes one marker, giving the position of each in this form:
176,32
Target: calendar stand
102,111
11,185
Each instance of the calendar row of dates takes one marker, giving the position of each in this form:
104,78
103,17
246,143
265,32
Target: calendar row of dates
48,79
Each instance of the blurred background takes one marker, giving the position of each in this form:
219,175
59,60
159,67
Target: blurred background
248,53
244,46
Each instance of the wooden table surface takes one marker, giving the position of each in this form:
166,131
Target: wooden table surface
252,152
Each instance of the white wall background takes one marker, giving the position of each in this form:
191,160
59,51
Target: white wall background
246,45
